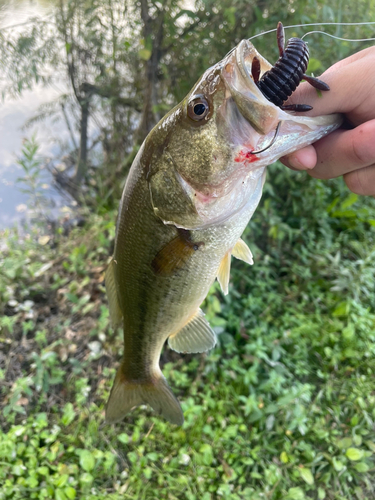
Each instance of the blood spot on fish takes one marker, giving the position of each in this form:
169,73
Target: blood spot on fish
246,156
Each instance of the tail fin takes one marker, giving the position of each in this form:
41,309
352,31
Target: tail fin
125,395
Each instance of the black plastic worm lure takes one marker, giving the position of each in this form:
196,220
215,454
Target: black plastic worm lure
281,81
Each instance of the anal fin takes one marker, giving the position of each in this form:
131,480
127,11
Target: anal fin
242,251
195,336
115,312
223,274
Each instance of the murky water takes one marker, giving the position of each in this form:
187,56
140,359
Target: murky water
13,115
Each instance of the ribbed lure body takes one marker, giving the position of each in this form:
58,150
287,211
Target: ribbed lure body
282,80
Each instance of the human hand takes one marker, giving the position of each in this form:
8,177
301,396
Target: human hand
350,153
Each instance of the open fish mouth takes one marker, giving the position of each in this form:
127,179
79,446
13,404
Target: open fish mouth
274,132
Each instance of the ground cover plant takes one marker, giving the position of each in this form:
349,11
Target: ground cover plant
282,408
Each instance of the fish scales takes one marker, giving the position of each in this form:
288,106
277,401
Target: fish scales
189,195
171,305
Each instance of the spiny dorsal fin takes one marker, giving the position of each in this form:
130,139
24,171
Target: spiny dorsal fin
114,307
223,274
242,251
195,336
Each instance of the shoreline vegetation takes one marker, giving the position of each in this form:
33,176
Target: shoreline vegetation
284,407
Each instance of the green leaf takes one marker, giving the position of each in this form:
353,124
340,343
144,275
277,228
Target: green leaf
123,438
354,454
321,494
147,472
349,201
207,453
59,494
342,309
72,297
348,332
87,461
70,492
86,479
345,442
18,470
68,414
371,445
361,467
337,464
62,480
354,420
306,475
43,471
295,494
144,54
344,213
284,458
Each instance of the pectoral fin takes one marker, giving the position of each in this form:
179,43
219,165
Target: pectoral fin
175,254
115,312
223,274
195,336
172,257
242,251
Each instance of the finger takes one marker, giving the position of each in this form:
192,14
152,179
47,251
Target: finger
347,91
362,181
344,151
365,53
303,159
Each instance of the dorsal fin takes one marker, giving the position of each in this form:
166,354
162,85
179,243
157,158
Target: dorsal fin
195,336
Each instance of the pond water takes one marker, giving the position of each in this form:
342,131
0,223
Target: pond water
13,115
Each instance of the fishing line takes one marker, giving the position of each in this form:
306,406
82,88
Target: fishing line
323,32
338,37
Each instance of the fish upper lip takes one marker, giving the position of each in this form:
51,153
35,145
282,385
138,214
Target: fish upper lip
241,50
237,57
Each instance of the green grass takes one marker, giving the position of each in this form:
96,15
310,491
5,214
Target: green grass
282,408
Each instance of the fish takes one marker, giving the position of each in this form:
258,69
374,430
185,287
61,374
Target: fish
191,191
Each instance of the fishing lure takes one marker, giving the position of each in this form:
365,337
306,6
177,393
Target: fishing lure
281,81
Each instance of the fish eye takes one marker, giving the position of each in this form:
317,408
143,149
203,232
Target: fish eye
198,108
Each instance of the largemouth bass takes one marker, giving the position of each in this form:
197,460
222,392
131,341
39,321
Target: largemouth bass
194,185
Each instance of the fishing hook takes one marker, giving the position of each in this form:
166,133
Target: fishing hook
271,143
